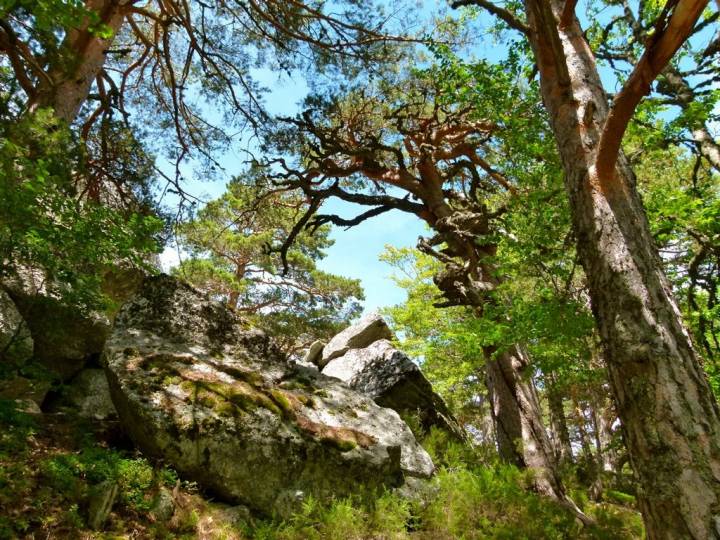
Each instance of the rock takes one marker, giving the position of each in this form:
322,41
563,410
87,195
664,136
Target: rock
219,402
366,331
235,516
163,506
16,344
89,394
393,380
102,499
314,353
64,338
27,406
21,388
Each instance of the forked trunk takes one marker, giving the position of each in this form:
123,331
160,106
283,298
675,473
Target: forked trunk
521,436
670,419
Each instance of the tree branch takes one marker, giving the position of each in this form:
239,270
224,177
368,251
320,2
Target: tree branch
568,13
672,29
320,220
501,13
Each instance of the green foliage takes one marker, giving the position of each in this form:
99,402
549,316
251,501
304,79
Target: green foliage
46,224
74,474
619,497
444,339
17,428
491,503
469,503
385,517
135,477
48,17
229,242
682,201
466,499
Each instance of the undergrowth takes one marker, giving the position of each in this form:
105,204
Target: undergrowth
45,485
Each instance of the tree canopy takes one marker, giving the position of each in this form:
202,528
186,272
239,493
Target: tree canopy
565,296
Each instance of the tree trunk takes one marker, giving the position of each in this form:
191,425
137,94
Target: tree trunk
582,433
82,57
234,296
558,419
520,433
670,419
521,436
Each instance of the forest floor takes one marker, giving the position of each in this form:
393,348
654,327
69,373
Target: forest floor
53,469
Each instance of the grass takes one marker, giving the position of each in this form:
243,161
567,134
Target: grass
46,476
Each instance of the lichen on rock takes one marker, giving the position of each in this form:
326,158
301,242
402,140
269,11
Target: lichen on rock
217,400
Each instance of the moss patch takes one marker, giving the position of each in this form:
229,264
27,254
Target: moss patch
248,393
342,438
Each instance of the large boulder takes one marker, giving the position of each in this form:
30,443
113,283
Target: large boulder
219,402
314,353
387,375
23,388
16,344
366,331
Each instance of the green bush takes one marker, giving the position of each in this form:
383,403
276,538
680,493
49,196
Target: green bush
135,478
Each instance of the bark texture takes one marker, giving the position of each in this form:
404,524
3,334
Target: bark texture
669,416
67,84
521,436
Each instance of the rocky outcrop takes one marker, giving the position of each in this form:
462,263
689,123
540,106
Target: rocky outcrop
65,337
218,401
16,344
25,389
361,334
388,376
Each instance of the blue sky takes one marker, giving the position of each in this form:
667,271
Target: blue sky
356,251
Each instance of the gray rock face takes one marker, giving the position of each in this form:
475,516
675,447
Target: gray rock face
16,344
223,406
22,388
89,394
393,380
164,505
63,338
361,334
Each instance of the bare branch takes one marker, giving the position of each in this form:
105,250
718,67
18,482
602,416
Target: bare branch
320,220
501,13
